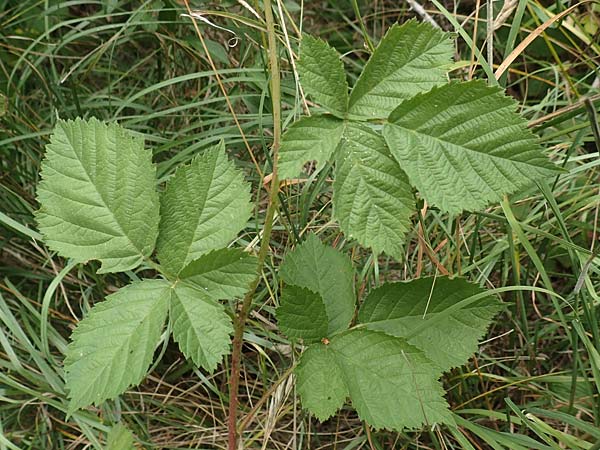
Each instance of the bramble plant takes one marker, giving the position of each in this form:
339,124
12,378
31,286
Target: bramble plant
403,125
99,201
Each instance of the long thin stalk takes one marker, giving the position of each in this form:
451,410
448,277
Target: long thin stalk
221,86
240,320
362,26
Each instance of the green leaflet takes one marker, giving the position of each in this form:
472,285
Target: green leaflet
464,146
119,438
221,274
204,206
399,309
324,270
113,346
302,314
322,75
390,382
372,198
310,138
200,326
98,196
411,58
320,382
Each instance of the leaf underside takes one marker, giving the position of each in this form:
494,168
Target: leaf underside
372,198
324,270
98,195
464,146
391,383
400,309
322,75
411,58
203,208
113,346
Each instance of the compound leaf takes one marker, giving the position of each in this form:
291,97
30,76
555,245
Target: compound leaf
411,58
98,195
372,199
322,269
390,382
113,346
201,326
302,314
223,274
204,206
320,382
464,146
322,75
310,138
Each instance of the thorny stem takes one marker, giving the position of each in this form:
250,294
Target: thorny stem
240,319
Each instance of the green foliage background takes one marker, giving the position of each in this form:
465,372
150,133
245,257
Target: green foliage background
533,383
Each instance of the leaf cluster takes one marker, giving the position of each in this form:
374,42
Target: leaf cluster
402,126
389,363
99,200
461,144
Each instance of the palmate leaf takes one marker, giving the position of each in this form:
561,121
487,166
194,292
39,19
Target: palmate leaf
402,309
200,325
203,208
98,195
390,382
390,363
113,346
411,58
322,75
310,138
324,270
222,274
464,146
372,199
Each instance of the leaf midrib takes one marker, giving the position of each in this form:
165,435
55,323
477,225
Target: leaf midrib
133,331
453,147
213,161
384,79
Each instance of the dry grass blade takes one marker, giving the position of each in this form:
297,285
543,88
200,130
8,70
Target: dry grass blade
532,36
